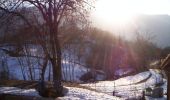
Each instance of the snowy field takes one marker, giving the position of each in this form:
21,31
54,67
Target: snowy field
129,87
84,94
125,88
73,94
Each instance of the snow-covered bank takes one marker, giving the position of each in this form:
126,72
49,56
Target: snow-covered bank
18,91
73,94
70,71
124,88
84,94
110,86
150,98
130,86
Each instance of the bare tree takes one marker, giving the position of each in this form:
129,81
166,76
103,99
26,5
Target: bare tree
53,14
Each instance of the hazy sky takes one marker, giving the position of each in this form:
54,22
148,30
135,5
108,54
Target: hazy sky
122,11
115,14
133,6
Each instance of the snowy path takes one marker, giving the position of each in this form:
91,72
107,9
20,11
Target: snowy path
129,87
110,86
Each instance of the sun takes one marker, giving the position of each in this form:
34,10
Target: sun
123,11
113,11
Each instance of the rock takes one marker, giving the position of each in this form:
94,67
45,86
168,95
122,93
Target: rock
157,92
45,90
89,76
148,91
65,91
92,76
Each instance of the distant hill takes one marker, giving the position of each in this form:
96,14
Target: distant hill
157,26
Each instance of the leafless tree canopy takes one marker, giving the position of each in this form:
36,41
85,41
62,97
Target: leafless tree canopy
43,19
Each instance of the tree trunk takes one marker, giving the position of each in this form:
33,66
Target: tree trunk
44,66
55,51
57,77
49,73
56,65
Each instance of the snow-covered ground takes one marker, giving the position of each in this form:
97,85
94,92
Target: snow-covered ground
125,88
17,91
84,94
130,86
71,72
73,94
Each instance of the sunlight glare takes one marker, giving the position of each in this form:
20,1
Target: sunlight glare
122,11
113,11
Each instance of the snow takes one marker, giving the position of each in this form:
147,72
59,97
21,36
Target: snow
73,72
73,93
150,98
100,77
164,86
125,88
108,86
70,72
17,91
84,94
130,86
123,71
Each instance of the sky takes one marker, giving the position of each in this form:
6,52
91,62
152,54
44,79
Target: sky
114,15
123,11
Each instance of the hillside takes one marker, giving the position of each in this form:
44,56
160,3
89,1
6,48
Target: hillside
129,87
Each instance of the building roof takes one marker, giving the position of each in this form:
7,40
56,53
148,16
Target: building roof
166,62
